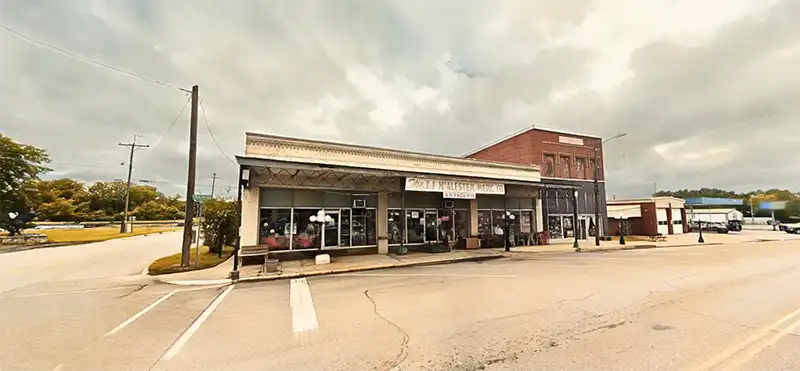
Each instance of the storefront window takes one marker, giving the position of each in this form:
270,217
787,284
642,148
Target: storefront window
569,227
275,228
461,220
395,224
554,224
497,222
344,233
431,226
416,228
484,223
446,225
363,222
307,234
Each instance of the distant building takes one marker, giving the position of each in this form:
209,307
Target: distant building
566,159
647,216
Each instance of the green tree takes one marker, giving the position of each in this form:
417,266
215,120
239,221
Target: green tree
59,200
219,224
155,210
20,165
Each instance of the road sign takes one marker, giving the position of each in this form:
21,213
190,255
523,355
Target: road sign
201,198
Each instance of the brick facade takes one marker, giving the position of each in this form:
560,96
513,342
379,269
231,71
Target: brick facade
535,146
564,159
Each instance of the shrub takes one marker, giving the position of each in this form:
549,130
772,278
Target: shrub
219,223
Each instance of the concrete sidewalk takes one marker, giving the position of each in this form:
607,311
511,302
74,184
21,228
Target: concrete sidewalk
344,264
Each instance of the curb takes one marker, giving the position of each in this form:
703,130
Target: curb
330,271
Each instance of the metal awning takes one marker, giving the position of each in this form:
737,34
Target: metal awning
264,165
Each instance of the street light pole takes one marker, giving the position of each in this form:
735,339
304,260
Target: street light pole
597,187
575,220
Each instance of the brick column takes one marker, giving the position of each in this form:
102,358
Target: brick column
669,219
382,223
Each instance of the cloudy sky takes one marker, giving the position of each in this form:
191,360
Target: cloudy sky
708,91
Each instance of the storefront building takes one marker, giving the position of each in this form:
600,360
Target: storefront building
568,160
647,216
311,195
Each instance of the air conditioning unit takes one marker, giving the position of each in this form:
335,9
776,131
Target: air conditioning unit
449,204
359,202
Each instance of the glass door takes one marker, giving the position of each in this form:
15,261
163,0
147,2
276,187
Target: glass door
331,231
415,226
431,226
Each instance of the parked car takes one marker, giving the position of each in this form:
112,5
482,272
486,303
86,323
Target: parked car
791,228
710,226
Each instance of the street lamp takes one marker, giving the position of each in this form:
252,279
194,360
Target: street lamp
320,218
506,217
597,188
575,220
700,228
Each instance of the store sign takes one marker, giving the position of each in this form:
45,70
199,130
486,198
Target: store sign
434,185
461,195
570,140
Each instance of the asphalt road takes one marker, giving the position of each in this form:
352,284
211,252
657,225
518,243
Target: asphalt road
723,307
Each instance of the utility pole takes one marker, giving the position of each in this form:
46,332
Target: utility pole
133,146
189,217
213,182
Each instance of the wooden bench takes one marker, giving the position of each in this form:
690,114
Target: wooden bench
658,238
260,250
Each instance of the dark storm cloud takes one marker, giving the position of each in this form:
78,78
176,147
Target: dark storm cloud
706,108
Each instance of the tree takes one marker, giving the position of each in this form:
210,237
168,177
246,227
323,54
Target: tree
155,210
219,224
20,165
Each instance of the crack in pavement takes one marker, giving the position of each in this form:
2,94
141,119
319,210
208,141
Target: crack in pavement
608,326
402,354
140,288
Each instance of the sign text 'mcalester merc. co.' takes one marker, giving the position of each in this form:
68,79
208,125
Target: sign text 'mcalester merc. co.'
433,185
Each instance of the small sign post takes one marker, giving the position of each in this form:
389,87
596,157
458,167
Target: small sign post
201,200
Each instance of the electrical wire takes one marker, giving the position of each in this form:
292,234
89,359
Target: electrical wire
173,123
212,135
90,61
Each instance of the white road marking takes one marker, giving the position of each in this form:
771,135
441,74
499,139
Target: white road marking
141,313
186,335
66,292
743,357
721,357
304,316
428,275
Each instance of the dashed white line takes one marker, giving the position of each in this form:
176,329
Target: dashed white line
304,316
141,313
186,335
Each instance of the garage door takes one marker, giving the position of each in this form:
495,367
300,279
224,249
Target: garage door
677,221
661,216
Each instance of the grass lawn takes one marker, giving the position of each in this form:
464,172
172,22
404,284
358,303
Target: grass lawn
96,234
172,263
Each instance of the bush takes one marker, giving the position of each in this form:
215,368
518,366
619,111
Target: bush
153,210
219,224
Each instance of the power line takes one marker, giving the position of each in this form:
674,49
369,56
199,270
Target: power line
202,109
90,61
173,123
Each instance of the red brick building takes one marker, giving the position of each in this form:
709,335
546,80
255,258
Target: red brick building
647,216
567,160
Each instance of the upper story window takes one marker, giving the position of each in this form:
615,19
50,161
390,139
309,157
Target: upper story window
580,168
564,163
549,165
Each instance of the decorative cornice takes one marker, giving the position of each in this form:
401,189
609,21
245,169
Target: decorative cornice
318,152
